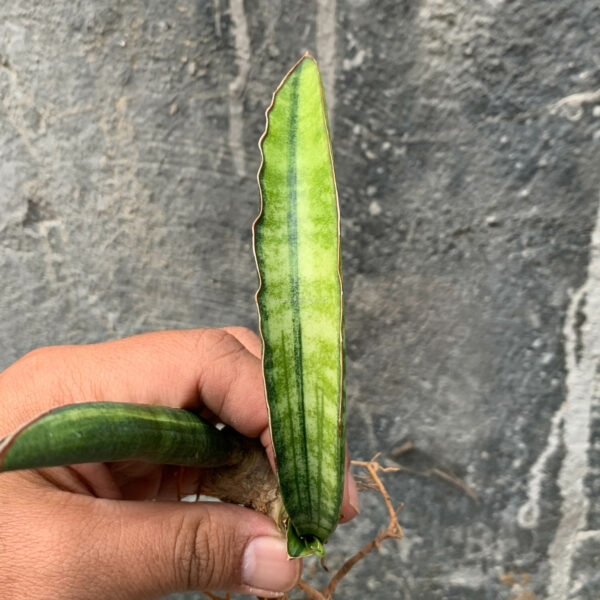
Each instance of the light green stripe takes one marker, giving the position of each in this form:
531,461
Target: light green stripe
294,281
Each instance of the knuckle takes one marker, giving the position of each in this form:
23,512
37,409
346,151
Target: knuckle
35,361
244,333
41,362
201,554
221,344
248,339
41,379
206,339
242,330
222,347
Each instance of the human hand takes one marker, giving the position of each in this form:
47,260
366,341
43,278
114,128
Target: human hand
82,531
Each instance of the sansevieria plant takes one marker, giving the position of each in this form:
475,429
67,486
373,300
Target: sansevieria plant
300,304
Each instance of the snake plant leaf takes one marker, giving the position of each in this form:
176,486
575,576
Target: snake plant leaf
116,431
300,305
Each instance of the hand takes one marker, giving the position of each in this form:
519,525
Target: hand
82,532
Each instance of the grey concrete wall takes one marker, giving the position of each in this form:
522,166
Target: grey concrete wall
467,140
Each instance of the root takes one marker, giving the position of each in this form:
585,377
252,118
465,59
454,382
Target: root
440,471
250,483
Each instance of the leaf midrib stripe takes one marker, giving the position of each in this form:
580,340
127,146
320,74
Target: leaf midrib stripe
290,424
319,395
294,277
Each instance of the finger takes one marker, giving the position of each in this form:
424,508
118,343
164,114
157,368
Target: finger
253,343
147,550
248,338
172,368
350,502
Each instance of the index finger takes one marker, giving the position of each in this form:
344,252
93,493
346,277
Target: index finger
219,369
182,369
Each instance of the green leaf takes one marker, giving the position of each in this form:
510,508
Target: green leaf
300,303
116,431
298,546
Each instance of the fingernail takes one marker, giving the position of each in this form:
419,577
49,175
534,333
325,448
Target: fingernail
266,567
353,494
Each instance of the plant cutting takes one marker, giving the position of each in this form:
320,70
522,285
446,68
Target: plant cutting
297,249
300,300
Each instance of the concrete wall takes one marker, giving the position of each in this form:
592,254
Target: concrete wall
467,140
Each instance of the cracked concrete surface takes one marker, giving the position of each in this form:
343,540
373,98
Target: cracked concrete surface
467,144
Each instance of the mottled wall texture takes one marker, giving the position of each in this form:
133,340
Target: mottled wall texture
467,143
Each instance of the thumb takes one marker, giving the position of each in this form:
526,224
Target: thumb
141,550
